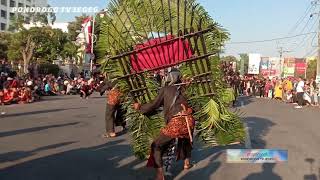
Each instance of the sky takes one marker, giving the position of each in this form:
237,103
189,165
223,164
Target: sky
247,20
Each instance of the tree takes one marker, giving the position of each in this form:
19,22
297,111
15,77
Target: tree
4,43
50,43
70,51
229,59
37,42
44,18
312,69
244,63
75,26
22,47
16,23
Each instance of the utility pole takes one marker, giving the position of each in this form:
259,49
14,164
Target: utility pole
92,42
316,3
318,59
281,52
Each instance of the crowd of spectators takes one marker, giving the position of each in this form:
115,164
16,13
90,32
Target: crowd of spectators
22,90
299,91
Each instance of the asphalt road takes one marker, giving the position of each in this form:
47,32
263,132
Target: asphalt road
59,139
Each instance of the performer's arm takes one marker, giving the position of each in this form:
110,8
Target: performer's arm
156,103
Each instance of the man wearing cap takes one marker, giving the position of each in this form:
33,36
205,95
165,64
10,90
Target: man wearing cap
179,123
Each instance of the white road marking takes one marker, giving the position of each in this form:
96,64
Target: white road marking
247,140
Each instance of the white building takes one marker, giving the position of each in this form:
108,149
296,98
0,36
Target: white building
7,5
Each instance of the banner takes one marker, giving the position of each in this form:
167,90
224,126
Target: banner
300,67
256,155
288,67
275,66
254,63
264,67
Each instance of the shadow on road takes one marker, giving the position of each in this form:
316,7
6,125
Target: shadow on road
59,97
311,176
16,155
243,101
108,161
39,112
114,160
209,169
34,129
266,173
258,128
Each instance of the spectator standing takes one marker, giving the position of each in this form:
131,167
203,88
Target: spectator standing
300,93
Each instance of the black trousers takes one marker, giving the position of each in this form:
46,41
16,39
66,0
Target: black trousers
160,146
110,118
85,94
300,98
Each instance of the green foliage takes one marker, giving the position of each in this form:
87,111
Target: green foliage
4,44
143,129
75,26
244,63
218,126
129,22
48,68
16,23
50,43
42,18
229,59
18,44
42,43
312,69
227,96
70,51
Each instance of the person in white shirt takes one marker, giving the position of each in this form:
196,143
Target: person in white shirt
300,92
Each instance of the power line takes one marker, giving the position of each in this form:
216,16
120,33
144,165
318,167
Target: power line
268,40
306,25
314,50
303,41
306,13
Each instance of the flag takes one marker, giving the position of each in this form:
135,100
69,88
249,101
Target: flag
87,31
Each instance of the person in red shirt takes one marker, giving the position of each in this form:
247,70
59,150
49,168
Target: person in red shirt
7,98
1,97
85,90
25,96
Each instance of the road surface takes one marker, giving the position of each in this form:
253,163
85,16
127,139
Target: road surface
59,138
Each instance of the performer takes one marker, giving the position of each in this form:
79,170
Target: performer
113,113
179,123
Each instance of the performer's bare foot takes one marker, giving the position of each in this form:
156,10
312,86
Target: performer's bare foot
109,135
160,175
187,165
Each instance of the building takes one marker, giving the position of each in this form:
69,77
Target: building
7,5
